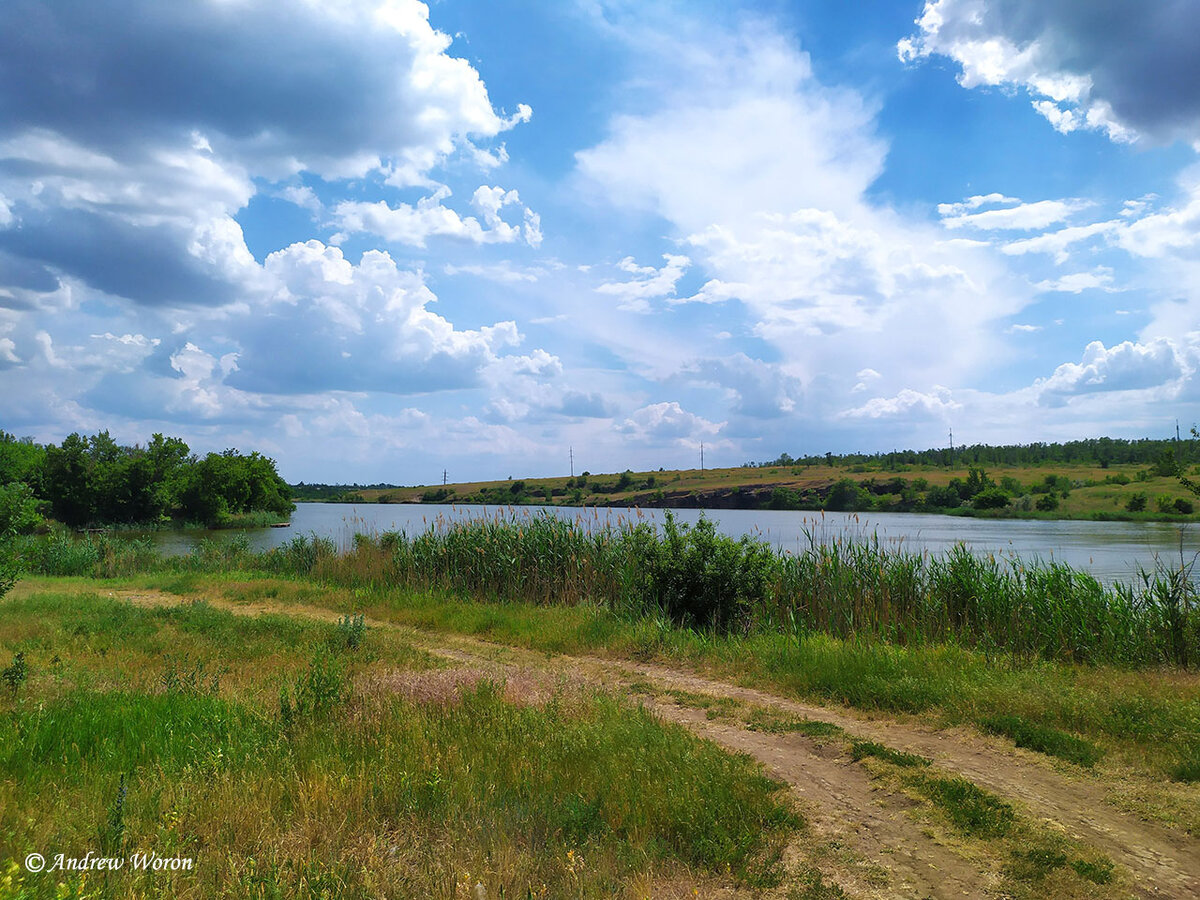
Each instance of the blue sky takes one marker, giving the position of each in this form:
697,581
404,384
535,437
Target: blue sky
377,239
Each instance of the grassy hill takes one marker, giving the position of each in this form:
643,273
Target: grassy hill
1050,490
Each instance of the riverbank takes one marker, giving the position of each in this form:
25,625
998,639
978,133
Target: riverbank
847,583
1113,493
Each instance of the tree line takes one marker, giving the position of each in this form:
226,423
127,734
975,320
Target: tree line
1092,451
94,481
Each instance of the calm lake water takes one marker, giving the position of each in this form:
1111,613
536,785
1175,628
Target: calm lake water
1112,551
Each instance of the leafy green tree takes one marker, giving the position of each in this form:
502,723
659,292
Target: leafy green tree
990,498
943,496
1047,502
19,509
1166,465
226,484
784,498
1192,486
169,461
20,460
977,482
9,569
1136,503
69,481
846,495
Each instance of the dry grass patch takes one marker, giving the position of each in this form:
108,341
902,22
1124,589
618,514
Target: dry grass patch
521,686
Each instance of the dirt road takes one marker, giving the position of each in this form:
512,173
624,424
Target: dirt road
885,847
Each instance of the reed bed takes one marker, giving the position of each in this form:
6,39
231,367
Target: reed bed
850,587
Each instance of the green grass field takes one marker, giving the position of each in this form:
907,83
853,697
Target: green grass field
290,759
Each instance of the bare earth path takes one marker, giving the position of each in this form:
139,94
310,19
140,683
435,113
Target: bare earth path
842,803
1166,864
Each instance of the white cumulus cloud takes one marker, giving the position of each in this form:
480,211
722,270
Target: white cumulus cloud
646,282
934,404
668,421
415,224
1127,366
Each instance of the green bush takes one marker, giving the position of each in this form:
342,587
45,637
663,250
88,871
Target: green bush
1136,503
351,631
702,579
19,509
943,497
15,674
1184,507
990,498
847,495
1047,503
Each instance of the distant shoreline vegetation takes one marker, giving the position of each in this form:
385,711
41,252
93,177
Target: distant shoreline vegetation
89,482
1103,479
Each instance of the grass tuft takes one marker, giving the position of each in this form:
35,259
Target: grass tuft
1044,739
859,750
1035,864
765,720
1187,769
969,808
1099,872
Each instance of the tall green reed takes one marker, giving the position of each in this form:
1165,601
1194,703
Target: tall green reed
848,586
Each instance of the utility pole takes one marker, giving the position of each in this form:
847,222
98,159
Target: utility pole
572,462
702,456
443,477
952,442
